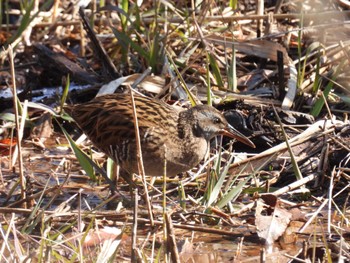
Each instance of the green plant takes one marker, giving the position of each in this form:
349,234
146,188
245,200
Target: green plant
316,109
27,19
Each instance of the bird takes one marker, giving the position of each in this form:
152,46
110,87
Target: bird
181,137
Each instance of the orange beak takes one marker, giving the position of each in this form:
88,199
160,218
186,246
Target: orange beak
233,133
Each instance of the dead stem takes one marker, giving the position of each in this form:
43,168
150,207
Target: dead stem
139,159
22,179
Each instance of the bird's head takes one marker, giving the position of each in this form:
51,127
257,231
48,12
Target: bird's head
208,122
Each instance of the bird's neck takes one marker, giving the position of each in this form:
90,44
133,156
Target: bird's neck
187,127
194,145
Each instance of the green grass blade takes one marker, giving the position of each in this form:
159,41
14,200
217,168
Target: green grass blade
125,41
233,4
217,188
216,71
65,93
301,25
294,162
236,190
317,81
156,55
316,109
124,19
209,99
182,81
81,156
345,99
233,194
27,19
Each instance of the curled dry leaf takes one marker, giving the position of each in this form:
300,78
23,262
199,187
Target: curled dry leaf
96,237
271,221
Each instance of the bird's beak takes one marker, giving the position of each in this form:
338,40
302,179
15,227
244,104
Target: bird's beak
233,133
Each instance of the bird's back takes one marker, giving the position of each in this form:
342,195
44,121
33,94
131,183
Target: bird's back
109,123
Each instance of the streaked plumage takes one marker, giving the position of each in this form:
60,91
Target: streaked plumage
109,124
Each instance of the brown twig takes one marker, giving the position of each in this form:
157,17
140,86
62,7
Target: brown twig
171,241
134,228
22,178
139,158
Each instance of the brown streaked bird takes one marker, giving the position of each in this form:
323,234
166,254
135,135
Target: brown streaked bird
109,124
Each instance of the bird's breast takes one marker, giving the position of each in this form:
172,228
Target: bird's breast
182,156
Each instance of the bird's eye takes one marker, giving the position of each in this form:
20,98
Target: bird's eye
217,120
